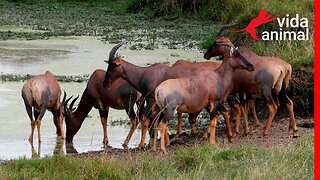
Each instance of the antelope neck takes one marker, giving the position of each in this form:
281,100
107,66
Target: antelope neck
133,74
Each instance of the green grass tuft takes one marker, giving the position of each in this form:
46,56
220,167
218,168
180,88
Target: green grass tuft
201,162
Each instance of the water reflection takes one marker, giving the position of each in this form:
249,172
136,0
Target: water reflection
58,148
35,154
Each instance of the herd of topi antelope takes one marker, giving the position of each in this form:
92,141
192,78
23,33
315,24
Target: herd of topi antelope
159,90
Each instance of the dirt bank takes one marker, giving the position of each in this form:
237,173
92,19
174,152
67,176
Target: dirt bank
279,136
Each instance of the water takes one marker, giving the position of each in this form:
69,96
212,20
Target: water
64,56
76,55
15,128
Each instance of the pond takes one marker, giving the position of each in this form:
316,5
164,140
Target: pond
65,56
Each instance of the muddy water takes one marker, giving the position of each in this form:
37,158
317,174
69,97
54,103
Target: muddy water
15,128
76,55
63,56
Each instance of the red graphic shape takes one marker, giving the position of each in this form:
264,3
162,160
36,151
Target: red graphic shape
263,18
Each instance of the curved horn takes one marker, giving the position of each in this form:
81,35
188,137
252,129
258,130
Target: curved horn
64,96
224,28
68,100
66,110
233,49
113,51
225,44
72,103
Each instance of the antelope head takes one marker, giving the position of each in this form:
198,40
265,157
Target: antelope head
114,70
72,124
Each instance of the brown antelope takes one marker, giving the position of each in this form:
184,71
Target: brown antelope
234,103
146,79
43,92
183,64
271,78
206,90
119,95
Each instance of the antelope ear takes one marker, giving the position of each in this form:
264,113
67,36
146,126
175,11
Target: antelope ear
234,52
118,61
232,49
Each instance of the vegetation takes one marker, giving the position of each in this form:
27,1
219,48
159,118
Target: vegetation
108,19
176,20
60,78
165,23
150,24
241,11
202,162
297,53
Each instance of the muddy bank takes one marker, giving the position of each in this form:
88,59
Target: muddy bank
279,136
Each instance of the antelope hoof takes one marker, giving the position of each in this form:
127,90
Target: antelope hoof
106,146
230,139
141,147
245,134
264,135
154,148
265,132
292,128
167,144
125,146
105,141
178,133
295,134
234,134
258,124
165,151
193,132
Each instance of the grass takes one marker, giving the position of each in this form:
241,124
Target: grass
111,20
202,162
108,19
248,10
60,78
190,28
297,53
